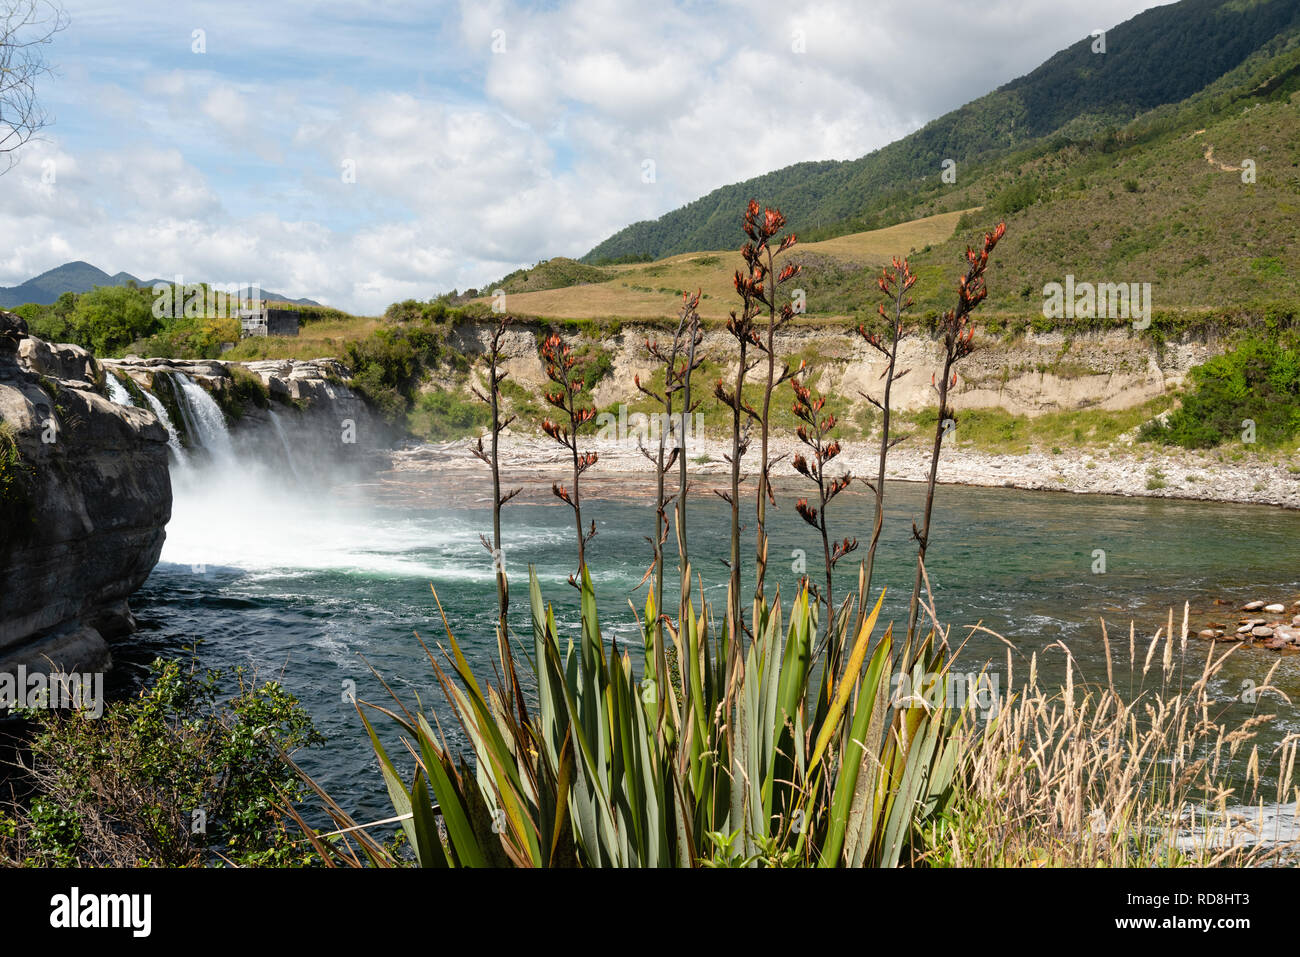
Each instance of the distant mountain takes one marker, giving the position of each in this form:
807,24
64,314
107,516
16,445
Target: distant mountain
1162,56
82,277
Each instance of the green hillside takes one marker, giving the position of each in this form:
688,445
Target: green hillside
1077,99
1162,201
555,273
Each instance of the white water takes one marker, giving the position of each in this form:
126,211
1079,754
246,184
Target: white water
116,391
244,512
216,522
205,421
284,443
182,457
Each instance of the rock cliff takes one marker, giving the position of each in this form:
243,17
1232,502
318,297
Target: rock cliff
85,497
1030,374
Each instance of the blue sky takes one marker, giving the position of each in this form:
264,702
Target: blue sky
483,136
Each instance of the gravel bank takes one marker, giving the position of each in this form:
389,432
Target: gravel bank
1140,471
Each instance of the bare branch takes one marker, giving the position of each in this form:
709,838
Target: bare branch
26,28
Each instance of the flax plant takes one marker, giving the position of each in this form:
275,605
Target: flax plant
671,451
760,285
895,285
741,327
957,331
587,777
492,458
562,368
816,433
682,380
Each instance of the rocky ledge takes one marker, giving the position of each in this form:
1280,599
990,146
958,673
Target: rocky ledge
305,415
319,380
85,497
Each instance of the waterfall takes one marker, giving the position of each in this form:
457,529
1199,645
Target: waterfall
181,406
173,439
116,391
205,420
284,442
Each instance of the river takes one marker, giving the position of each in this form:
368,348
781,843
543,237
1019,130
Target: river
314,587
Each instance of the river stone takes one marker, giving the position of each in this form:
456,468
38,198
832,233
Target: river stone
1262,631
1252,606
1207,633
1276,608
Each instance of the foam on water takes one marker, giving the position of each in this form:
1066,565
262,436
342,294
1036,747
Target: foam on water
243,518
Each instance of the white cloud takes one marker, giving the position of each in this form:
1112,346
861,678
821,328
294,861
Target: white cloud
468,163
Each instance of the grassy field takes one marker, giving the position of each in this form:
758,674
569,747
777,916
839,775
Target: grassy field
315,340
653,290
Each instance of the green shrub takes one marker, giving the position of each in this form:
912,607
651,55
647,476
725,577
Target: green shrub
109,317
597,365
189,337
1257,381
1018,196
412,310
122,789
522,403
388,364
245,388
440,415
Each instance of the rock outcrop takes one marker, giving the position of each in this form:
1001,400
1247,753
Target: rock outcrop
85,497
307,418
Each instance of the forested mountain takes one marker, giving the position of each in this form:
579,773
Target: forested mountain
1162,56
82,277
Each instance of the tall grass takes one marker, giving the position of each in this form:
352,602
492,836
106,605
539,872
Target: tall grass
1142,769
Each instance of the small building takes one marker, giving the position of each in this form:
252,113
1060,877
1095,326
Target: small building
268,322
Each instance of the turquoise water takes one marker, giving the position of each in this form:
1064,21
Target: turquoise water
304,591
